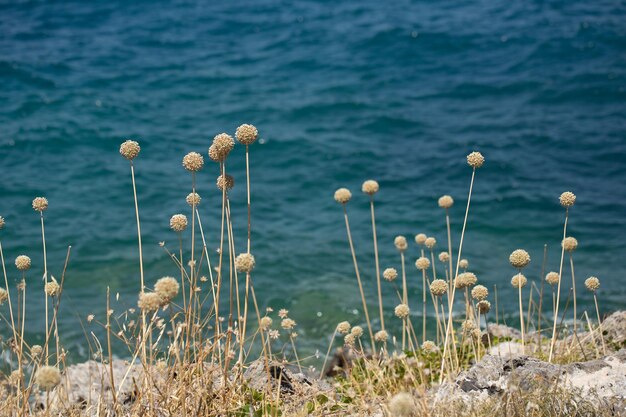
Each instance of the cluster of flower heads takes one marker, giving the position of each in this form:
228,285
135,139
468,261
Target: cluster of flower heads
165,290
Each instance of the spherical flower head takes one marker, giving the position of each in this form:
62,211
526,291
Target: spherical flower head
400,243
475,160
228,182
244,262
402,311
52,289
370,187
349,339
519,258
343,195
483,306
22,263
193,162
246,134
130,149
567,199
266,322
215,154
381,336
167,288
438,287
1,222
40,204
149,301
283,313
465,279
444,257
430,242
445,201
569,244
468,326
552,278
420,238
519,281
390,274
343,327
48,377
480,292
223,143
193,199
422,263
357,331
35,351
178,222
429,347
4,295
402,405
288,324
592,283
463,264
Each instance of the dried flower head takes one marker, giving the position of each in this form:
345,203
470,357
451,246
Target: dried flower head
193,162
1,222
465,279
400,243
178,222
52,288
130,149
381,336
445,201
343,327
349,339
430,242
223,144
483,306
569,244
480,292
463,264
215,154
40,204
246,134
429,347
475,159
48,377
4,295
420,238
283,313
288,324
193,199
519,281
357,331
402,405
402,311
244,262
438,287
149,301
444,257
390,274
343,195
468,326
36,350
422,263
229,182
167,288
567,199
22,263
519,258
266,322
592,283
552,278
370,187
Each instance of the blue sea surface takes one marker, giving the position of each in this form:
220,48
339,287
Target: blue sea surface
341,92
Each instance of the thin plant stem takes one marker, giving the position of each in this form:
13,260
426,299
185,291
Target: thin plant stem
543,281
558,291
571,263
595,300
521,315
380,297
45,278
6,284
112,379
449,240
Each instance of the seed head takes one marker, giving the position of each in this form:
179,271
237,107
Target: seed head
215,155
283,313
48,377
357,331
178,222
288,324
463,264
475,160
22,263
4,295
390,274
465,279
1,222
149,301
266,322
483,306
438,287
444,257
420,238
429,346
229,182
343,195
592,284
167,288
381,336
223,144
343,327
567,199
552,278
400,243
468,326
519,258
430,242
246,134
519,281
370,187
193,199
569,244
193,161
244,262
36,350
52,289
349,339
480,292
40,204
130,149
422,263
402,405
445,201
402,311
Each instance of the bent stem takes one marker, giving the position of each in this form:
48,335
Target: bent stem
558,290
45,279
